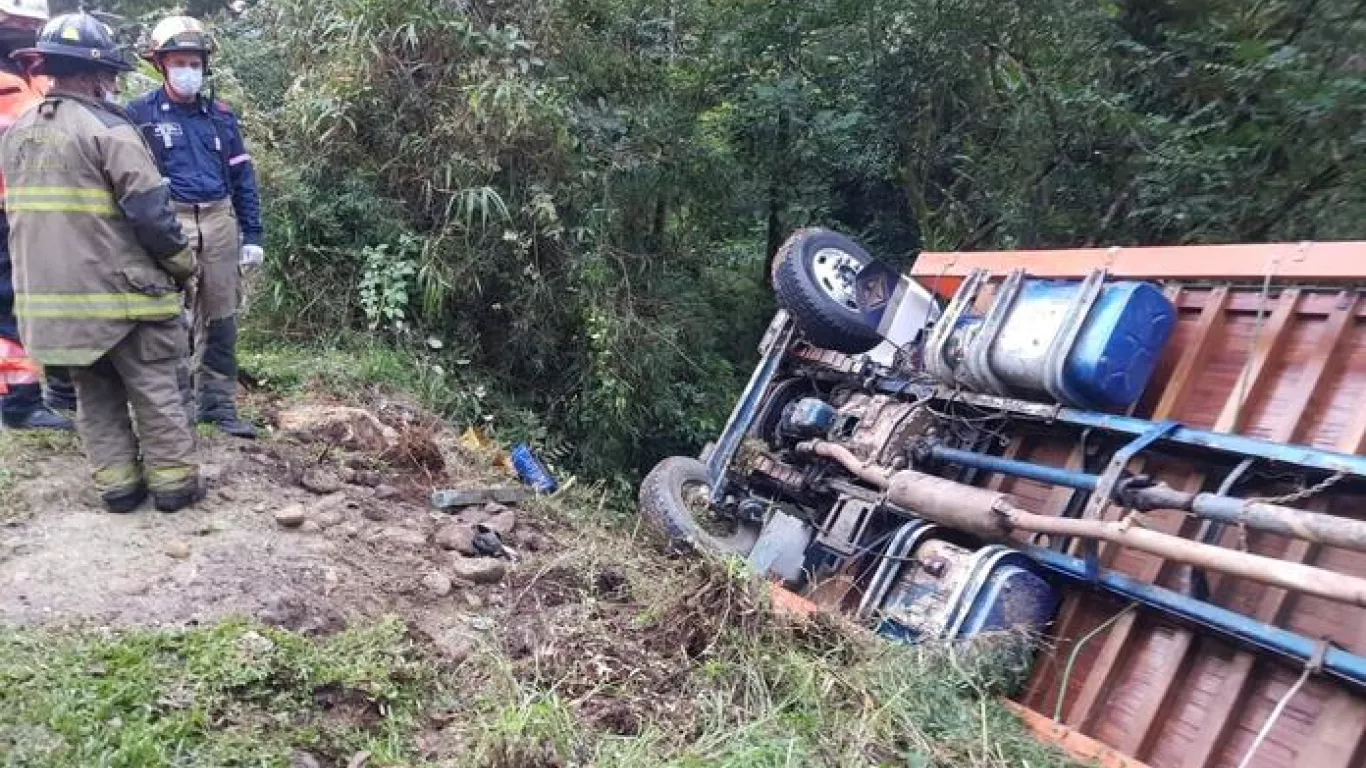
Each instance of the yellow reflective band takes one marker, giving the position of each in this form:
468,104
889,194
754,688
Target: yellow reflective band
172,478
76,356
97,306
54,206
120,477
62,200
89,193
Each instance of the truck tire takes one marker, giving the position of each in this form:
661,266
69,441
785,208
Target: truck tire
813,278
667,499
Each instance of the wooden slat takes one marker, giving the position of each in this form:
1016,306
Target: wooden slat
1117,646
1100,679
1193,359
1271,339
1218,719
1155,703
1223,712
1076,745
1337,738
1311,381
1173,397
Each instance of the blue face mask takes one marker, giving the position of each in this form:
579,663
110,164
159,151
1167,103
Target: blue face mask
186,81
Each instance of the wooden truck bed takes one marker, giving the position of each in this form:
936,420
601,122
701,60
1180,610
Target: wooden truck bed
1271,343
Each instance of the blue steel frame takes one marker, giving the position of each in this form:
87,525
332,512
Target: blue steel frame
1343,665
1300,455
774,348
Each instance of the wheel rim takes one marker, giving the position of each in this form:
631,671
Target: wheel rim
835,271
697,498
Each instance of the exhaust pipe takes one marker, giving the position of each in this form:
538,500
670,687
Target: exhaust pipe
994,516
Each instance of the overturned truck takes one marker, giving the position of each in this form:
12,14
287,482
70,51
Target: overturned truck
1151,456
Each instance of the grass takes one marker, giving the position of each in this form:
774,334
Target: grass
748,689
233,694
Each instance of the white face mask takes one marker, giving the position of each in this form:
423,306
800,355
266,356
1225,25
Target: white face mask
109,91
186,81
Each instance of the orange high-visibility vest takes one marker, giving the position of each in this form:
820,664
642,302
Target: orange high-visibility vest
17,96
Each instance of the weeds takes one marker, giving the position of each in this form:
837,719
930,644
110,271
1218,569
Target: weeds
235,694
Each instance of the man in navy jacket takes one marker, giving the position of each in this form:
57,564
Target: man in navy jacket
198,145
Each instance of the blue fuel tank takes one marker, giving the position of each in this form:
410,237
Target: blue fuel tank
1085,344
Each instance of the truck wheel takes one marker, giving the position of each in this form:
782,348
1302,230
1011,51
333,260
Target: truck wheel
813,277
671,496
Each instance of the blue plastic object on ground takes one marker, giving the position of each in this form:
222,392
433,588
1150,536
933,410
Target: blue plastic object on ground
531,470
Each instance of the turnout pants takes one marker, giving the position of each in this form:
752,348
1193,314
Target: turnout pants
216,240
143,371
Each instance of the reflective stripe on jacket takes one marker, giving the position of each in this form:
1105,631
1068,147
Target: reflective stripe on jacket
95,244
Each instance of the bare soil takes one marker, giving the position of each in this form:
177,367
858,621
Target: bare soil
361,554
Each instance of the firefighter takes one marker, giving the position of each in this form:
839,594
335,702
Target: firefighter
198,145
22,406
99,264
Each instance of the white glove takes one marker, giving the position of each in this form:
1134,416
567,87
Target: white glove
253,256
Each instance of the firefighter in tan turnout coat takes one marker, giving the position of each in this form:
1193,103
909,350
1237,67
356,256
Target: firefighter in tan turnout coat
99,263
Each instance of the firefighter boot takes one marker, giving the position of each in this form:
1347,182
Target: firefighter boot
216,405
23,408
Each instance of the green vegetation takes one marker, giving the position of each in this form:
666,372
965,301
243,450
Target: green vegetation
708,679
236,694
577,200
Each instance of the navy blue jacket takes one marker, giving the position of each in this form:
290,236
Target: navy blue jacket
199,148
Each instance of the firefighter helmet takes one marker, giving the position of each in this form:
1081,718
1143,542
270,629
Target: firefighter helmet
77,37
176,34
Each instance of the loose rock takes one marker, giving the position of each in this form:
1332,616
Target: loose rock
291,516
304,760
352,428
456,648
310,526
177,549
472,516
437,583
531,541
480,570
457,537
502,523
473,600
403,536
368,478
347,475
320,481
384,492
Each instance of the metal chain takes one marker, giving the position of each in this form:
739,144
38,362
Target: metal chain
1303,493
